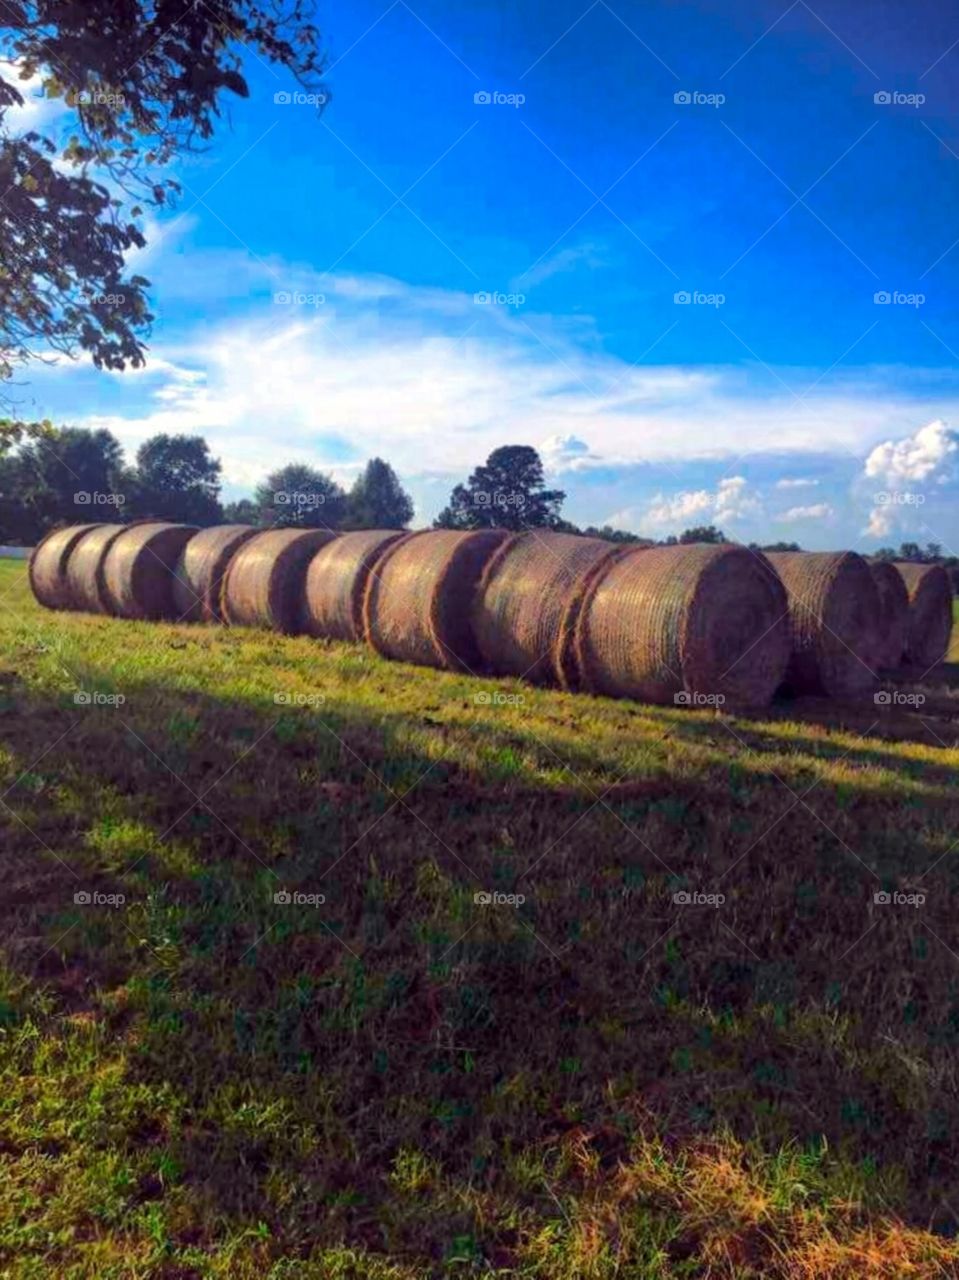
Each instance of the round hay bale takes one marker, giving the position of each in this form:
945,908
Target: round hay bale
930,613
85,567
833,618
890,642
139,567
525,610
336,583
698,625
198,581
264,583
47,567
419,600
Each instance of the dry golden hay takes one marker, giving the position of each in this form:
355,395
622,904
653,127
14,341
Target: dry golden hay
419,600
834,620
198,583
336,583
699,625
139,570
525,609
47,569
264,583
930,613
890,643
85,567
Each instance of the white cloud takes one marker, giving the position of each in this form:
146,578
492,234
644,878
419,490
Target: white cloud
901,471
818,511
565,453
731,501
799,483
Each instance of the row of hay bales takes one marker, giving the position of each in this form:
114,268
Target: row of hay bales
648,623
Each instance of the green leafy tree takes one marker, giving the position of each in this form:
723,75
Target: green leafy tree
378,500
507,492
177,478
142,81
910,551
68,475
702,533
241,512
299,496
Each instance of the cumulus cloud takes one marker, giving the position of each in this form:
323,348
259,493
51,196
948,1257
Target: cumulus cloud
565,453
818,511
902,472
730,501
799,482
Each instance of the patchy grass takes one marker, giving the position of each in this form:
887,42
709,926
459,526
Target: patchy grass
582,1079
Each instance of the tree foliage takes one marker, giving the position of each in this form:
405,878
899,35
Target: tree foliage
507,492
177,478
141,81
378,500
298,496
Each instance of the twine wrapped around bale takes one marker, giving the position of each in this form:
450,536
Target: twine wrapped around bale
85,567
698,625
264,583
336,583
930,612
419,600
834,619
528,600
138,570
891,636
198,581
47,568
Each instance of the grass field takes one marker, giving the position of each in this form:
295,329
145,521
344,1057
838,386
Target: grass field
399,1081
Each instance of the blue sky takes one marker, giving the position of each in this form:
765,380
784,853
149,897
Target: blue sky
683,215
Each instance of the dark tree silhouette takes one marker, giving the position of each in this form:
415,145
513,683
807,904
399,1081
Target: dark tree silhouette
177,478
378,500
507,492
144,81
300,496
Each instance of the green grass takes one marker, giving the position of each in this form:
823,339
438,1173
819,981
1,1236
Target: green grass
399,1082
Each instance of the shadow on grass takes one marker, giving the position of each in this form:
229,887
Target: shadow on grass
309,1043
